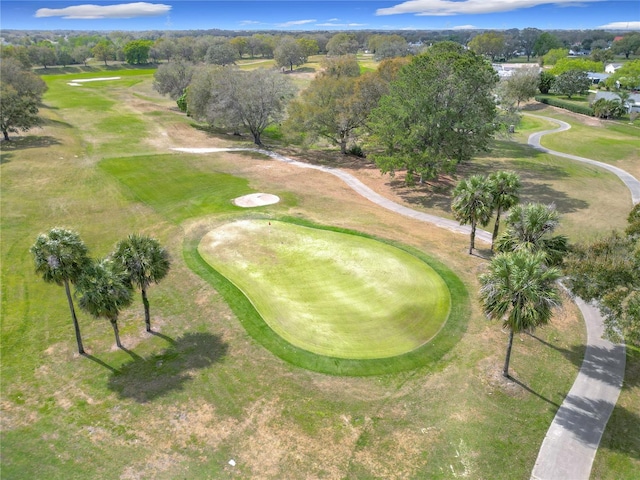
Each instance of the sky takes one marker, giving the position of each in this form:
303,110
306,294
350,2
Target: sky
309,15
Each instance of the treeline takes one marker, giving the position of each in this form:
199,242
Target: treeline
47,49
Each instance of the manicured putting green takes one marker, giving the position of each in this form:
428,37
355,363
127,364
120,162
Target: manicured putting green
330,293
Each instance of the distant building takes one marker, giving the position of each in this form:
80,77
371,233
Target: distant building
632,103
612,67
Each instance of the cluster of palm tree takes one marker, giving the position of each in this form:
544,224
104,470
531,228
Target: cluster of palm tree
103,287
520,285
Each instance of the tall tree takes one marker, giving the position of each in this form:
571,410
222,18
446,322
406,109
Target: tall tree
145,262
173,78
235,99
520,290
342,44
61,258
104,51
440,111
20,94
528,38
136,52
334,108
628,44
289,52
530,227
571,82
521,85
545,42
488,43
221,52
473,204
504,188
104,290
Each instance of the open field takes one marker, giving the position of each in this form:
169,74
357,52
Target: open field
201,391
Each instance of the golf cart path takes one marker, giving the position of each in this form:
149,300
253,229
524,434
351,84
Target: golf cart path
629,180
570,445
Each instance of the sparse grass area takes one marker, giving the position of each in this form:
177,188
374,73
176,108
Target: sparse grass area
201,391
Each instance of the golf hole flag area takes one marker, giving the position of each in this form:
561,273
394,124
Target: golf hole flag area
333,294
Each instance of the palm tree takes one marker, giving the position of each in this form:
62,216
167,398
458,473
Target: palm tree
145,262
61,256
504,187
104,290
521,291
530,227
472,203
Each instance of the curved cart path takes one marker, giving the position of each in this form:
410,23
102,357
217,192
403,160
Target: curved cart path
572,440
629,180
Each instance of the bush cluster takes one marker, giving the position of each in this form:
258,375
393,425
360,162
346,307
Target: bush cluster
567,105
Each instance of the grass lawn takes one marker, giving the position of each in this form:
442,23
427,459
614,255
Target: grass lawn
330,293
201,390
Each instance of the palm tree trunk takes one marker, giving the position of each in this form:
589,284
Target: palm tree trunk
495,229
505,371
147,317
472,241
76,326
114,324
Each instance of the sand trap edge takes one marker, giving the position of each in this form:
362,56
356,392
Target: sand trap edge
256,200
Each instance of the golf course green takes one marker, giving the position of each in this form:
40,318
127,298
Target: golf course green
330,293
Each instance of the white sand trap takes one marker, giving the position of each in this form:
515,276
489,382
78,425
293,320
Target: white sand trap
94,79
256,200
73,84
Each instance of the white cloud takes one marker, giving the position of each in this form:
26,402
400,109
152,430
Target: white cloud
293,23
469,7
464,27
93,12
332,24
621,26
250,22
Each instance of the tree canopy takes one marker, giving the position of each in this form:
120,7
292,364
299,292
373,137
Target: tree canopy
571,82
473,203
520,290
103,291
145,262
489,43
61,257
136,52
608,271
440,111
20,95
231,98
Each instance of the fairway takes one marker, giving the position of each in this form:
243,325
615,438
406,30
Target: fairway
331,293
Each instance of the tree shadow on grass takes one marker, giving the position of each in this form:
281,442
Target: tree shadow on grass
30,141
598,364
545,193
585,418
533,392
144,380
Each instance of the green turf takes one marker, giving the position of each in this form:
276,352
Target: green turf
174,187
428,354
331,293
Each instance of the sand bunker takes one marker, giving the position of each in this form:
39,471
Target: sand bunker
76,83
256,200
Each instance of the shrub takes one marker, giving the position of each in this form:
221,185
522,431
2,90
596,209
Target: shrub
356,150
567,105
546,82
603,108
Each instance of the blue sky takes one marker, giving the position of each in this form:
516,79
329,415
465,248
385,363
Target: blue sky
318,15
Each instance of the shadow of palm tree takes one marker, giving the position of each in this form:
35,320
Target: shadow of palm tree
595,362
585,419
143,380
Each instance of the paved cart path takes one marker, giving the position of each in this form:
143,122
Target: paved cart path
572,440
